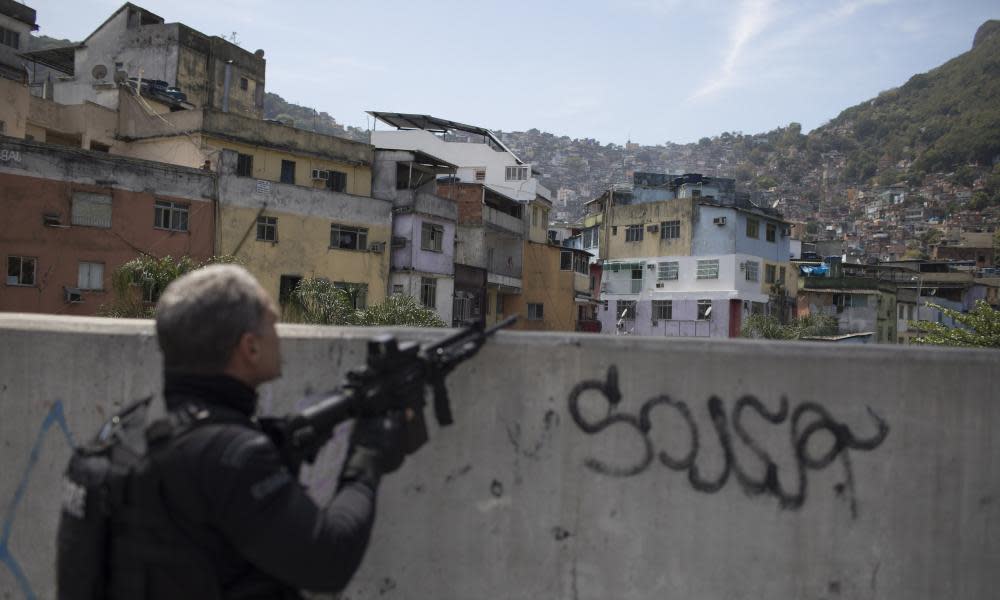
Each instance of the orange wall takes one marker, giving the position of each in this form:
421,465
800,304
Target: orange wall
59,251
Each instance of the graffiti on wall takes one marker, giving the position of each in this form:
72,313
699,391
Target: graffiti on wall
54,418
809,424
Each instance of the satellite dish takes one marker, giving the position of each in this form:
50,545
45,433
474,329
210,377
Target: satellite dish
99,72
708,312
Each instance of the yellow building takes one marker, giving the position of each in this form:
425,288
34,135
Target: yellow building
284,233
557,293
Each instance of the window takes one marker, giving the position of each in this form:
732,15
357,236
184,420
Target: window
781,275
626,310
244,165
287,171
480,174
431,236
633,233
244,83
753,228
637,280
91,210
670,230
590,237
267,229
517,174
10,38
580,263
614,230
535,312
336,181
428,292
91,276
345,237
752,270
704,308
604,303
566,260
667,270
21,270
357,292
770,273
397,289
708,269
170,215
286,286
663,310
770,232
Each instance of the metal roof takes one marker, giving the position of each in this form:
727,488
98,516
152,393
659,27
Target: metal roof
60,58
437,125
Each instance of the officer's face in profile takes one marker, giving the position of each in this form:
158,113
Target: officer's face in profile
267,358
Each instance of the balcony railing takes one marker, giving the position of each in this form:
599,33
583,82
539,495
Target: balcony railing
502,220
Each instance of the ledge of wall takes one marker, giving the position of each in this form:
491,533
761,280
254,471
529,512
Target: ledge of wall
886,461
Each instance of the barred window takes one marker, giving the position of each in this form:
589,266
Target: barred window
170,215
633,233
667,270
91,210
346,237
244,165
670,230
626,310
704,306
428,292
771,232
663,310
708,269
770,273
752,271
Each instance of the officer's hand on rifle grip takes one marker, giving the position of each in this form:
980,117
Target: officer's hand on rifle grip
378,447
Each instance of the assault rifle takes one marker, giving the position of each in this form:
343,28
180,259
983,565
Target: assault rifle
392,379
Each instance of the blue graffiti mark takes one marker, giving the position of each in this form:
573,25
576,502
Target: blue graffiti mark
55,417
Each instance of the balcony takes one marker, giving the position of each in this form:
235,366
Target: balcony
503,220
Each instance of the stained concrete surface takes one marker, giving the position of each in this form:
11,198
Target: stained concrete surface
885,470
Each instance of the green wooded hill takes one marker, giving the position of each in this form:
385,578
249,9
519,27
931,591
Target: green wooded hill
938,121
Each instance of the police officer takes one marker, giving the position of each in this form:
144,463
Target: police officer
221,516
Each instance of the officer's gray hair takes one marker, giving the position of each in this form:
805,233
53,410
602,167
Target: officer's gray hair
201,317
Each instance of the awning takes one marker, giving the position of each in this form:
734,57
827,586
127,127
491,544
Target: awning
60,58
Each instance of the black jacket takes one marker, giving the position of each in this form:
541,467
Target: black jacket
222,517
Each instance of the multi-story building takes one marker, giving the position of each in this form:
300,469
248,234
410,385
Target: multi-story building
291,203
170,61
283,232
495,194
17,21
423,227
686,256
72,216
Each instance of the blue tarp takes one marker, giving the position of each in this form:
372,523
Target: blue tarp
815,270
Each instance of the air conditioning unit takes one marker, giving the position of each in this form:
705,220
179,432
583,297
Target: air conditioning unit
659,284
398,241
376,247
652,228
319,174
719,221
73,295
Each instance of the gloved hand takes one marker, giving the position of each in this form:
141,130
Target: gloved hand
378,447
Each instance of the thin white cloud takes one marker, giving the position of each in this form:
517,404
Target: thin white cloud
754,17
794,32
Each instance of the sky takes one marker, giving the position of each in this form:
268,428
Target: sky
653,71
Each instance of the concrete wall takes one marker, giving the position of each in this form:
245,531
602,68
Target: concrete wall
14,102
888,488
